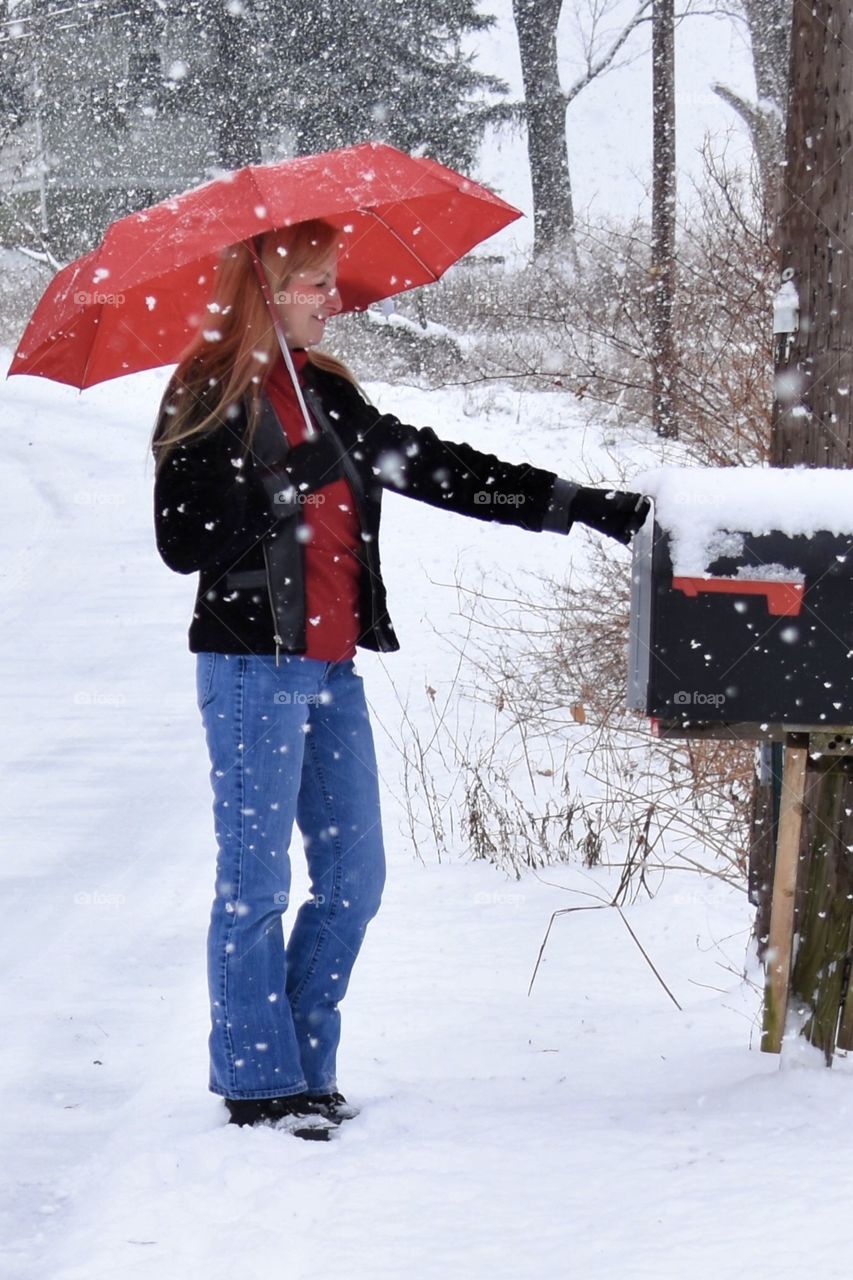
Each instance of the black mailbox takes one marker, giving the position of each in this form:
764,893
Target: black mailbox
758,642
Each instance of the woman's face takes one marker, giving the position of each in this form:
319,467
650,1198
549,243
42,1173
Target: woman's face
307,301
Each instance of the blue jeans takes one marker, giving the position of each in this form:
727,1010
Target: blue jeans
286,743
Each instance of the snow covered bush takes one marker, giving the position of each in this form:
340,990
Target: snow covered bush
533,748
23,278
582,324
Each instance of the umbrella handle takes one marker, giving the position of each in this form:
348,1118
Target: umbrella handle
263,280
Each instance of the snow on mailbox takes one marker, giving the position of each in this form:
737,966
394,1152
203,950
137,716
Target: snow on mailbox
742,601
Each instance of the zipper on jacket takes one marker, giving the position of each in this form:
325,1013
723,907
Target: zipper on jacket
278,640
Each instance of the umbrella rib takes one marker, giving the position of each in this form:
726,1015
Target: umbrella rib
400,239
91,352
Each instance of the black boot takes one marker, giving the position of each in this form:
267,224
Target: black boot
333,1106
296,1114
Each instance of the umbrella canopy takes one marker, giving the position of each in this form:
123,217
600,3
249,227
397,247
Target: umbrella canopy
136,301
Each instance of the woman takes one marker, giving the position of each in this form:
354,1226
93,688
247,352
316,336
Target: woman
283,530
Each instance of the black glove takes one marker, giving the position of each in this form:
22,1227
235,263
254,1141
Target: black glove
308,467
610,511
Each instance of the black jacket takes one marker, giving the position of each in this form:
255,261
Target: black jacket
229,516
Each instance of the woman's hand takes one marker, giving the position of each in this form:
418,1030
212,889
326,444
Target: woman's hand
610,511
308,467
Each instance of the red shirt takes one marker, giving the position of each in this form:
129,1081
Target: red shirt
333,534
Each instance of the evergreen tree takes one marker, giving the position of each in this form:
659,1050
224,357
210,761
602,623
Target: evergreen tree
142,98
13,73
392,70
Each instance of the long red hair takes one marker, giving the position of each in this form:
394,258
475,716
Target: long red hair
236,345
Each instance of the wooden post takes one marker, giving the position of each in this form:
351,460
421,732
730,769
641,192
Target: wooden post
845,1030
778,958
824,921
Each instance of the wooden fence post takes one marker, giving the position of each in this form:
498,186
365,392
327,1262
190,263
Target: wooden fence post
778,957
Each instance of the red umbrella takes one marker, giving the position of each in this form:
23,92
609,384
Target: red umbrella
137,300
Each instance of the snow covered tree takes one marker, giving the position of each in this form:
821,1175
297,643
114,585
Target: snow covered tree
546,102
13,72
144,98
17,150
769,26
217,72
342,72
94,83
545,114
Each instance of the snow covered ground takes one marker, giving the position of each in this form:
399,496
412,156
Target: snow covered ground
590,1129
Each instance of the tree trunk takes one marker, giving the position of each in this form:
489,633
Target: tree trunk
545,110
813,414
769,24
663,217
813,424
767,134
